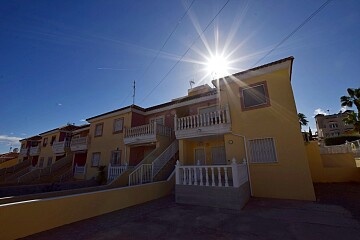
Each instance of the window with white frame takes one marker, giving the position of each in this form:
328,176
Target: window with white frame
99,129
118,125
116,157
262,150
95,160
254,96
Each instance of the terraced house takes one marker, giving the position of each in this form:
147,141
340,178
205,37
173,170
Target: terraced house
237,139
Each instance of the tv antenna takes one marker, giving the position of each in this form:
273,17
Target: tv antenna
134,88
191,83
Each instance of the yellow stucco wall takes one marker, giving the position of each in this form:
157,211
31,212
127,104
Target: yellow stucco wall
26,218
327,168
107,143
187,153
290,177
9,163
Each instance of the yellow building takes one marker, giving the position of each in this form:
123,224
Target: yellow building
255,120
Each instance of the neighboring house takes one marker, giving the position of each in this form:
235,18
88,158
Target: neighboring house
55,145
332,125
30,149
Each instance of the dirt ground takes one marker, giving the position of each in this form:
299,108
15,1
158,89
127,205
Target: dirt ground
346,195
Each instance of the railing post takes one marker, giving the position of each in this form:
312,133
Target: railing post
177,172
235,173
227,113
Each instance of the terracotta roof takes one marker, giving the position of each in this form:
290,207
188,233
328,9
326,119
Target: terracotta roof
8,156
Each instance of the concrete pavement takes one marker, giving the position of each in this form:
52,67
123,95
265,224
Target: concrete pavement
260,219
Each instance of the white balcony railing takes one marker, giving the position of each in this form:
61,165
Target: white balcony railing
146,133
34,151
59,147
233,175
79,144
142,174
115,171
203,124
23,152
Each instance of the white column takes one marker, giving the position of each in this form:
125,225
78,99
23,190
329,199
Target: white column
235,173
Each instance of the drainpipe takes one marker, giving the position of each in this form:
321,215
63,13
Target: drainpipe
247,159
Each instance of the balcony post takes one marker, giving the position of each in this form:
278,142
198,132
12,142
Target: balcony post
177,172
235,173
227,113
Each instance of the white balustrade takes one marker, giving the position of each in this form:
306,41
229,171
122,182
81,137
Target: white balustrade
59,147
34,151
23,151
142,174
221,116
78,144
148,129
115,171
212,175
80,169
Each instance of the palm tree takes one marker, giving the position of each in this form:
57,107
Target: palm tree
352,99
349,101
302,119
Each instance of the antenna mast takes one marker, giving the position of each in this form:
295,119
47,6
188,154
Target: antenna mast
134,93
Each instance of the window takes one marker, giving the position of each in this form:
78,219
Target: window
41,163
115,157
262,150
49,162
99,129
95,160
45,142
53,138
118,125
333,125
254,96
158,120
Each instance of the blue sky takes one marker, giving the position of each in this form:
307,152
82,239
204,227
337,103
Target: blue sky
64,61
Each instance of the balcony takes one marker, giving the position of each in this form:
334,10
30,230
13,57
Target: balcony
59,147
23,152
34,151
205,124
146,133
79,144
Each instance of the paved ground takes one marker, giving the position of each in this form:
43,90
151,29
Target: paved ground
260,219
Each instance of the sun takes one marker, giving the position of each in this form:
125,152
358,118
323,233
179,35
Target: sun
217,66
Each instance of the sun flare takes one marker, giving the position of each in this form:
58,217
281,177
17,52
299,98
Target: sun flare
217,66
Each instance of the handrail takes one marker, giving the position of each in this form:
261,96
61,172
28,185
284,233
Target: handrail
143,174
164,157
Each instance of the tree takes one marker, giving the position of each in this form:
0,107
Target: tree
310,134
348,101
302,119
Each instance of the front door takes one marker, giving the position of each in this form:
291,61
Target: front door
199,156
218,155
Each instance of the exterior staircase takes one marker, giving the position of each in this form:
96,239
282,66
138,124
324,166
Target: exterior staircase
151,166
10,174
50,173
